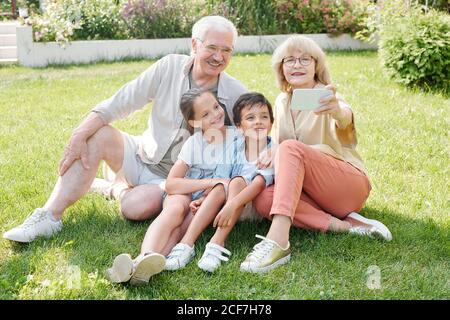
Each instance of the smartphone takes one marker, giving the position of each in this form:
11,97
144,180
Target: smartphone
308,99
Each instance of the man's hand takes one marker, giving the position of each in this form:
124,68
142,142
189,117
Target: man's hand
76,149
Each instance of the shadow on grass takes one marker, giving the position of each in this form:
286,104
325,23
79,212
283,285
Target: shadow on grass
91,240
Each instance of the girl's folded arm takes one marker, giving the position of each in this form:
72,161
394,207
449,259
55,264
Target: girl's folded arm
176,182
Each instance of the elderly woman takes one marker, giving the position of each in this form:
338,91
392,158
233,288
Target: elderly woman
320,179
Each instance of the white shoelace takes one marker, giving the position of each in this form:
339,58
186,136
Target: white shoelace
37,216
362,231
261,249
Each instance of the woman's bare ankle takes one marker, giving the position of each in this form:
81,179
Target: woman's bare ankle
337,225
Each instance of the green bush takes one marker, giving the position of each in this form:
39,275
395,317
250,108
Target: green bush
292,16
66,20
443,5
101,20
323,16
149,19
249,16
58,23
415,48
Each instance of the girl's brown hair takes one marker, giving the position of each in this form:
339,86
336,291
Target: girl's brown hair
187,105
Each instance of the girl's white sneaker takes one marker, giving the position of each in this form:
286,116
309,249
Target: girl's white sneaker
179,257
121,270
145,266
213,257
137,271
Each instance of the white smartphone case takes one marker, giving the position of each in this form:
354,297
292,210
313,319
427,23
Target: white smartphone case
308,99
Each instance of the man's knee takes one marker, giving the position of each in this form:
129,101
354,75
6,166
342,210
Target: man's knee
137,209
108,143
103,136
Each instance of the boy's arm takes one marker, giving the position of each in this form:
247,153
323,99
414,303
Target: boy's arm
249,193
176,182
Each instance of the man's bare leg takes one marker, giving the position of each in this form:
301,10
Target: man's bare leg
106,144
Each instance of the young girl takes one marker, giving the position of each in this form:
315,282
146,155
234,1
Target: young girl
192,173
253,116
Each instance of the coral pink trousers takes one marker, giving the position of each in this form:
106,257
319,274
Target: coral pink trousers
311,186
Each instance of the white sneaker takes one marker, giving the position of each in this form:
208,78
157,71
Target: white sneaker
179,257
212,257
137,271
145,266
121,270
39,223
377,229
266,255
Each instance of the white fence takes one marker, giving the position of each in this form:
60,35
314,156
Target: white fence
40,54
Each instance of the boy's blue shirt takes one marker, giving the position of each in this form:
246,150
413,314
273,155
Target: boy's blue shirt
235,160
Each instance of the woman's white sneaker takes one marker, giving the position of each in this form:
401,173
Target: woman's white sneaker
213,256
265,256
376,229
179,257
39,223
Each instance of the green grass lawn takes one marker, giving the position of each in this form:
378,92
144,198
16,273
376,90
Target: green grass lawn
403,137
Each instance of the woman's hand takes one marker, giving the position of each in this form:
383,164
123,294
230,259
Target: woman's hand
330,105
265,159
76,149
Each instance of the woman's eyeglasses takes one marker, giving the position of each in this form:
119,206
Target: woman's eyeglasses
303,60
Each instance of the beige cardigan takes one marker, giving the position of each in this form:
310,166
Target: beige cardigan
320,132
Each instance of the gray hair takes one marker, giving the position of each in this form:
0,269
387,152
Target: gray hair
218,23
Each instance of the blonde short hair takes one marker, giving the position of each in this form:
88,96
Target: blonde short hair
305,45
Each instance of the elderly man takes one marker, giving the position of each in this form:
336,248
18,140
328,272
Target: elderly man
141,163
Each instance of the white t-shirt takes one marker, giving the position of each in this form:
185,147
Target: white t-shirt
203,157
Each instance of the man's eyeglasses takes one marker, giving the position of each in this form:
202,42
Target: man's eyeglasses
304,60
211,48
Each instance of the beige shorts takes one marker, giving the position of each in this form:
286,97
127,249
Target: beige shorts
134,171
